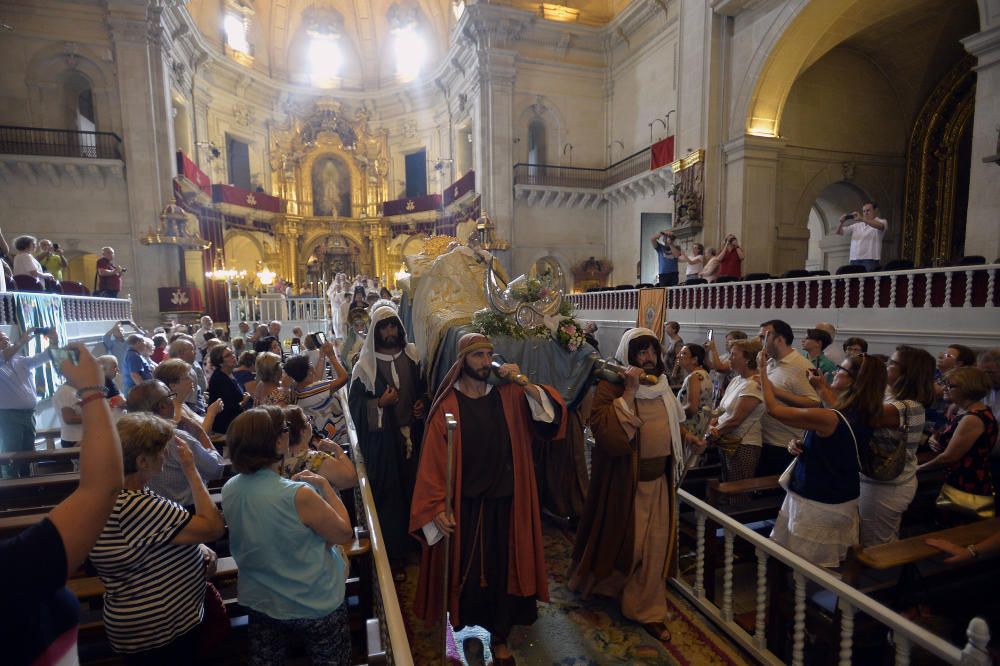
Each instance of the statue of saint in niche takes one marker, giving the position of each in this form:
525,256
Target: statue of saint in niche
331,181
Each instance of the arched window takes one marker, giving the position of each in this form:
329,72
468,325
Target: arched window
77,113
536,141
536,146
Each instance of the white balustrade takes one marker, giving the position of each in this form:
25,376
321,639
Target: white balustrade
840,299
805,574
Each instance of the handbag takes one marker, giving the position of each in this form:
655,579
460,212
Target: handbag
786,477
885,456
729,443
958,501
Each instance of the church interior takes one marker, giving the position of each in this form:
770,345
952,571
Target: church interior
240,155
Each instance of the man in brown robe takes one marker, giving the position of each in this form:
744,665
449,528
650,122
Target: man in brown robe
624,544
497,566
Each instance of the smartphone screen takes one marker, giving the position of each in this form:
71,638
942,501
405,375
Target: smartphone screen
295,349
60,354
320,338
711,333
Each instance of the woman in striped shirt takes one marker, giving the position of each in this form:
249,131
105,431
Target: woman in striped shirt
150,555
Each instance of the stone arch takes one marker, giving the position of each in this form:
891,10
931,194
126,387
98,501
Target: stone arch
45,77
243,250
789,47
549,114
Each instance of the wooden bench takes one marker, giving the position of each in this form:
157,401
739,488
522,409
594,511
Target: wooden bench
723,489
88,588
39,456
914,549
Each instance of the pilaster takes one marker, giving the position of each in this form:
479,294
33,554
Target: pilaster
981,235
751,177
135,30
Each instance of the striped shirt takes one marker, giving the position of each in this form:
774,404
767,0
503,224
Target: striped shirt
155,591
324,408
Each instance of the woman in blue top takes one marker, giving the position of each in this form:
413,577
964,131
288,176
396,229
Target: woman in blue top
282,533
819,517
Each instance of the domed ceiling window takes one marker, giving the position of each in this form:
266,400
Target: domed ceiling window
409,44
236,33
324,27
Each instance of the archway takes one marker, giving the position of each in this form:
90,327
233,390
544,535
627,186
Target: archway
827,250
327,256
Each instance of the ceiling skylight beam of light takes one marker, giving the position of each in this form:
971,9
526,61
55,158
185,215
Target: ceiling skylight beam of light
411,52
235,28
324,61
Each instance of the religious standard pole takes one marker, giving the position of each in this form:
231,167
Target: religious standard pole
451,424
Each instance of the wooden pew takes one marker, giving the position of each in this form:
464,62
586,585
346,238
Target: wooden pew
724,489
913,550
38,456
88,588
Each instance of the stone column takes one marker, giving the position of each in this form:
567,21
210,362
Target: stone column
134,31
981,235
288,240
493,112
751,168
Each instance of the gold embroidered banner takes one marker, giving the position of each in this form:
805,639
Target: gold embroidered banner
652,310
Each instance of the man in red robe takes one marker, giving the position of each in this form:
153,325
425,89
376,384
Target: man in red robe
496,564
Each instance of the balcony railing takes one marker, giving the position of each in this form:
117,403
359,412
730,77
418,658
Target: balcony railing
586,177
928,308
59,143
72,309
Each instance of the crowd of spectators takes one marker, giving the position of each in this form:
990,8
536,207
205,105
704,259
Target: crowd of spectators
772,409
154,434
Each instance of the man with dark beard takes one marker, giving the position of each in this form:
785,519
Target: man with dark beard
497,566
388,403
624,544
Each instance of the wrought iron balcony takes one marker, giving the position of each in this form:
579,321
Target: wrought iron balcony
59,143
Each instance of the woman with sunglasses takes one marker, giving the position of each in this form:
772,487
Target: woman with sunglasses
270,389
819,517
965,443
281,533
331,462
176,374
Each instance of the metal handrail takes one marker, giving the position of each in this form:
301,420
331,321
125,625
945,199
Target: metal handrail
398,647
570,176
51,142
911,631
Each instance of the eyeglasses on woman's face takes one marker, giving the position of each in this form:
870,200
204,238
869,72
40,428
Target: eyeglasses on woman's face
849,371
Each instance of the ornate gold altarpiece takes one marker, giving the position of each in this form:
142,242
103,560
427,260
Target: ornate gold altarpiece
314,134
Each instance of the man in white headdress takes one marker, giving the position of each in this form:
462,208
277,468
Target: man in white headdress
388,403
624,543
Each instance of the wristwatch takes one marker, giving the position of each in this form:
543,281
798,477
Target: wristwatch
972,551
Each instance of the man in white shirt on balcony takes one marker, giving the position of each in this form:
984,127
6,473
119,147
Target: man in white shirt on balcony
789,373
866,235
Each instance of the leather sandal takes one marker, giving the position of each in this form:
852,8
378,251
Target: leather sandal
502,661
658,630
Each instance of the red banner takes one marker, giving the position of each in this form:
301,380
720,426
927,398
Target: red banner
187,168
460,187
237,196
180,299
662,153
411,205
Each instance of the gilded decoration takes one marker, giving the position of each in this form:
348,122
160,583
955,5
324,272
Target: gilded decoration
933,225
331,168
688,191
322,151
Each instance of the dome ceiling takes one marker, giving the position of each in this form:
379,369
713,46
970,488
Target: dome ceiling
363,35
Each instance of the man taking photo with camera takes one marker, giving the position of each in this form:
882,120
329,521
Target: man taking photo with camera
731,258
51,258
667,252
109,275
866,236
